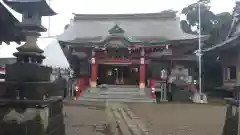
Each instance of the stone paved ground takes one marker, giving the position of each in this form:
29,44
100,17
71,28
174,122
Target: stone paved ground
79,120
181,119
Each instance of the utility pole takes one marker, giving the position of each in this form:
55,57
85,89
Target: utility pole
200,44
199,49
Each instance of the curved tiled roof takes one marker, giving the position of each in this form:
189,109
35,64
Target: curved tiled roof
32,6
136,26
163,14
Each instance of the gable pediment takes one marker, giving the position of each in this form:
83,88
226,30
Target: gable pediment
116,43
116,37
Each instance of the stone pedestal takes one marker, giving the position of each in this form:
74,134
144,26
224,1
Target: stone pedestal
32,117
29,103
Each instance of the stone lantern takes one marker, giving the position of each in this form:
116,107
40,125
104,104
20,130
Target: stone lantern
30,106
32,11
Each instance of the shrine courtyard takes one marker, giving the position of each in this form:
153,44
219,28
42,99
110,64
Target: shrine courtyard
160,119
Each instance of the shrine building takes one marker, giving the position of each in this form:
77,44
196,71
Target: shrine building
128,49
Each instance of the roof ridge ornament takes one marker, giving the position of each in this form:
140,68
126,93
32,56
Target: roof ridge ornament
116,30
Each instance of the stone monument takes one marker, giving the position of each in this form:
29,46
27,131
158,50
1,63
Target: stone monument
27,107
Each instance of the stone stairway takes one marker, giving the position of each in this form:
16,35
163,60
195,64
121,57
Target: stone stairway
118,94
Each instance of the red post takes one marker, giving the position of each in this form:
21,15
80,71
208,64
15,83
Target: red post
151,83
153,89
142,74
78,88
153,94
94,74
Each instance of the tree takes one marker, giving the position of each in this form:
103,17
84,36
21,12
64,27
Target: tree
220,29
192,17
217,26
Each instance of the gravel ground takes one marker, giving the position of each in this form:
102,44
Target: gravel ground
181,119
79,120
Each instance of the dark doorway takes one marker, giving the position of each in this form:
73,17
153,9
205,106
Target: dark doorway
118,74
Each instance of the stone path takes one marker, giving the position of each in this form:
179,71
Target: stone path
127,122
143,118
83,120
181,119
110,119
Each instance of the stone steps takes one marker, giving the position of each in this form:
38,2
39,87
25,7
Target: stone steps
117,89
114,98
86,100
115,94
104,95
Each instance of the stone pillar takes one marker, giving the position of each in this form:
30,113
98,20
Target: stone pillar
142,71
93,71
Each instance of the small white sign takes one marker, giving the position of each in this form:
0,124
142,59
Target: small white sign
93,61
142,61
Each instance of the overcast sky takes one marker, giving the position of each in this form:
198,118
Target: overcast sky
65,8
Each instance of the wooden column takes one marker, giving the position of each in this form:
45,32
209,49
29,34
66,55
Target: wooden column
93,71
142,70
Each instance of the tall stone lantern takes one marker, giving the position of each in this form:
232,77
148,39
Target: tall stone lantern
28,106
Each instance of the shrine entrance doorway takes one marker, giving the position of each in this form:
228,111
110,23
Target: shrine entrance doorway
118,74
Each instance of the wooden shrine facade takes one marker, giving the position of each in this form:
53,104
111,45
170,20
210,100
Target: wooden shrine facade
126,49
117,52
114,51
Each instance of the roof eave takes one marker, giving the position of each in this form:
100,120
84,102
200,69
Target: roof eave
220,45
14,34
37,6
203,38
158,15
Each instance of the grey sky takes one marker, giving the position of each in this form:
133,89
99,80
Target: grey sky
65,8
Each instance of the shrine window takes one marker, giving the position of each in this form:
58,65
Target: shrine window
30,15
230,73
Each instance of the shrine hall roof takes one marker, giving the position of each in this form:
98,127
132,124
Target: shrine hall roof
137,27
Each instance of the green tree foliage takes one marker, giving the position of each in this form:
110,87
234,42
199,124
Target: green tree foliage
215,25
221,28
